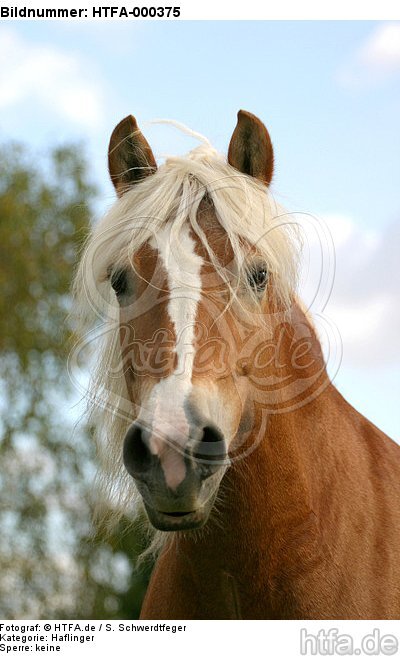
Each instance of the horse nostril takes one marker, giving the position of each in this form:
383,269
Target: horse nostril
212,447
136,453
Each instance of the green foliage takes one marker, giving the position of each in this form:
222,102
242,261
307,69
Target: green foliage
51,564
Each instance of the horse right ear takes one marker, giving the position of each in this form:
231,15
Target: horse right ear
250,150
130,158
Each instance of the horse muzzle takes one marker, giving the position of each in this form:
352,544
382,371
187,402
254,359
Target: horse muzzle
178,480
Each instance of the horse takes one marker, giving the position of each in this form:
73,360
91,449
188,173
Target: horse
269,496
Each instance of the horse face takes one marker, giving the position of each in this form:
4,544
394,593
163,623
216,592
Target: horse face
180,350
179,371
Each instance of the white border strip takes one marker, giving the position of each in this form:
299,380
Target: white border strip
216,10
179,638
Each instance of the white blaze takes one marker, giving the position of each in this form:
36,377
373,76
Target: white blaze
166,405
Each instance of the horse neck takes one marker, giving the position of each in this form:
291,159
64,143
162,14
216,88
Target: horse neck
269,498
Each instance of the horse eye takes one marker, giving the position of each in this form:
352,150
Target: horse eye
119,282
258,278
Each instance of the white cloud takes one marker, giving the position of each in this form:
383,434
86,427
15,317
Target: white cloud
376,59
59,82
365,301
382,50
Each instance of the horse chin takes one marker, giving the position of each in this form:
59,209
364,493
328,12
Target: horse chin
178,521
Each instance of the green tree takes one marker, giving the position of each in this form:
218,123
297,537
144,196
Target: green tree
51,565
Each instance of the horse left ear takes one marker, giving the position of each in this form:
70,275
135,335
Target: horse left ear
250,150
130,158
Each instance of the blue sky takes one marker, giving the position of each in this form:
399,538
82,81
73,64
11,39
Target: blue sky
329,93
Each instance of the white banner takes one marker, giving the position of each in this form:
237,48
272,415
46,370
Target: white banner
274,637
131,10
